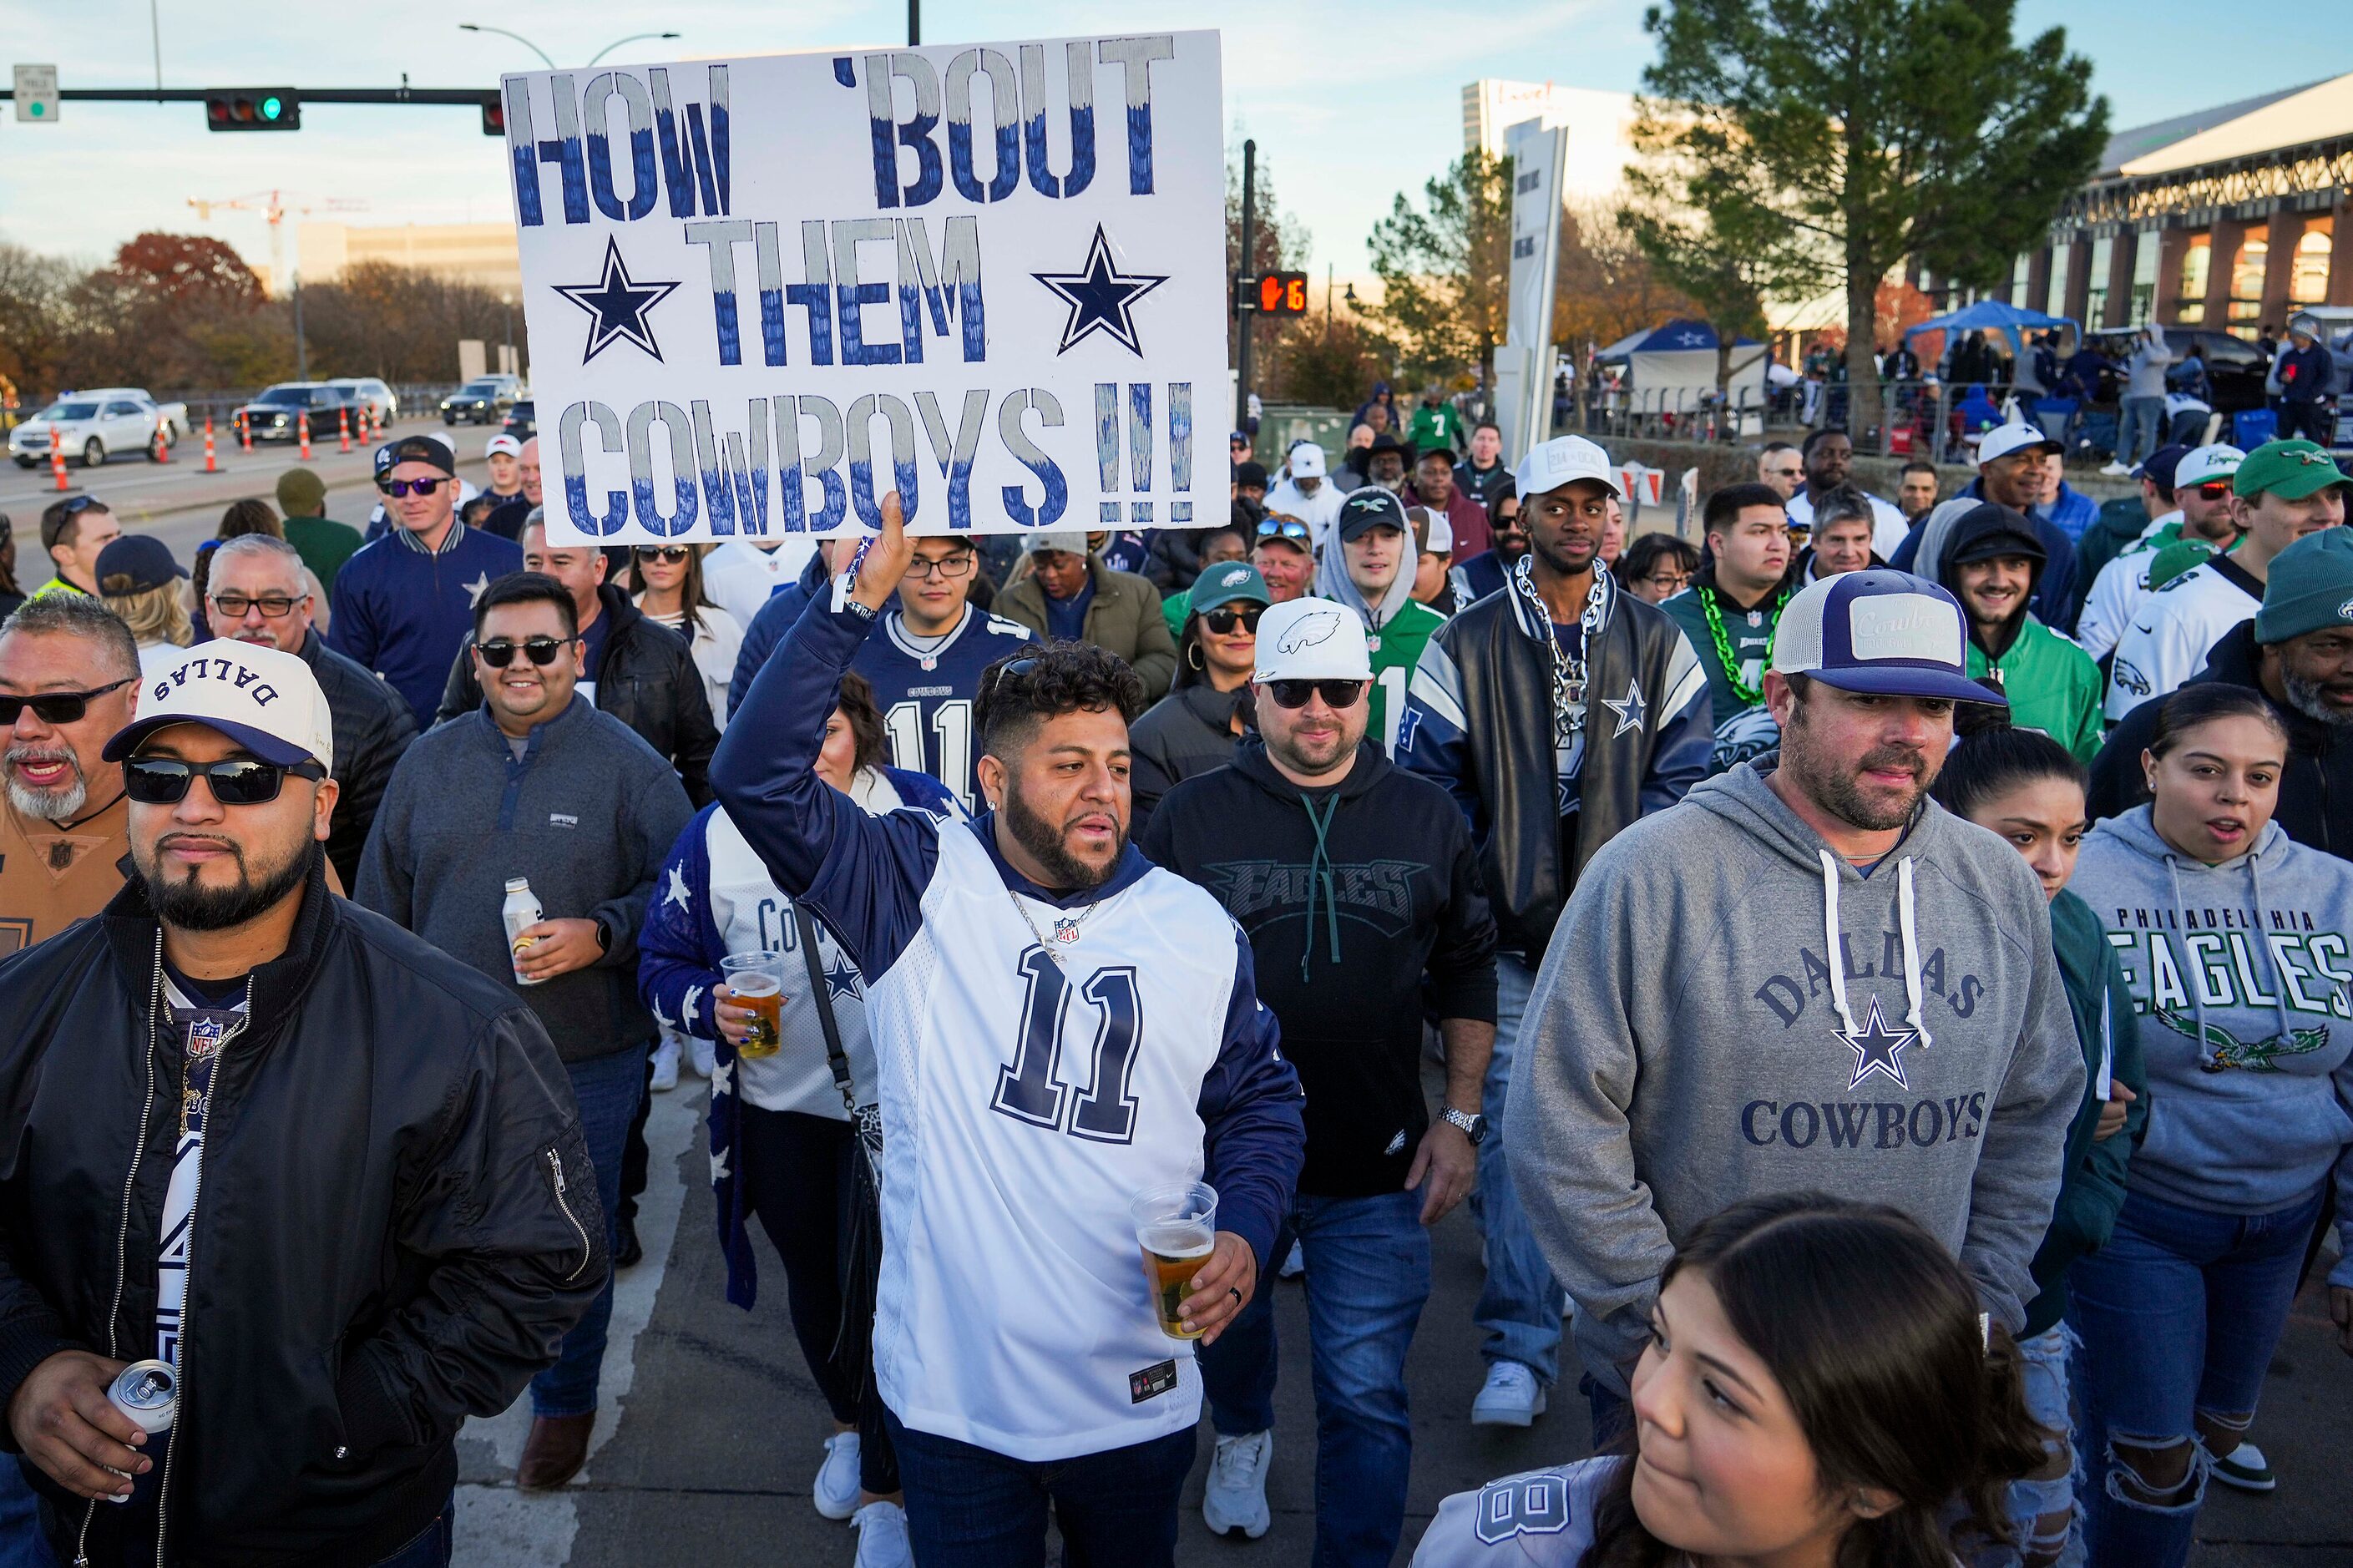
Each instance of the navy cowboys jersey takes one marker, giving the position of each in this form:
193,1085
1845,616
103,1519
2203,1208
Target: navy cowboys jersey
925,688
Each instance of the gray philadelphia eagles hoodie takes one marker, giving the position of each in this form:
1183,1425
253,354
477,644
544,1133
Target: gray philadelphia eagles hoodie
2243,970
1727,1008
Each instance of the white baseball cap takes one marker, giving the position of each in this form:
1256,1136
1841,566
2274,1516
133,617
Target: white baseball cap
1438,533
265,701
504,442
1307,461
1312,640
1561,460
2015,436
2200,464
1882,631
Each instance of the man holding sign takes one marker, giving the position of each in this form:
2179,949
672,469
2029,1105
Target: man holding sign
1035,1074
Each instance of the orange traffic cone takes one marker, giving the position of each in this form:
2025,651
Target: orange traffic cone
163,443
344,422
244,430
58,458
211,467
303,427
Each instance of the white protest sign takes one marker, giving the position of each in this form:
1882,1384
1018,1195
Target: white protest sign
764,292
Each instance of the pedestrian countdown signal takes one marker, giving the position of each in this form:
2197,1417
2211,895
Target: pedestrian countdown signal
1273,294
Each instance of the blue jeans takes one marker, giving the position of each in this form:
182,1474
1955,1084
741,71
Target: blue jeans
2138,421
431,1549
1519,1306
2178,1314
22,1544
2045,1367
1367,1278
608,1089
968,1507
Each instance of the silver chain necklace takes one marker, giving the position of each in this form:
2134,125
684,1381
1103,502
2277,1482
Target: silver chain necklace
1066,927
1567,673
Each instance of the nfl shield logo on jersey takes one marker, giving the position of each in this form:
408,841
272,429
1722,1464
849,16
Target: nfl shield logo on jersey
1066,930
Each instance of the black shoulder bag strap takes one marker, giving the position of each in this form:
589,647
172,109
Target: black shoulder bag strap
835,1057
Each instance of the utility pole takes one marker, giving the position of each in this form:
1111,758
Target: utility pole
915,22
302,354
1246,301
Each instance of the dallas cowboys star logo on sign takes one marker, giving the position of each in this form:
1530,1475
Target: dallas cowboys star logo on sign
1877,1048
1101,297
1629,709
617,306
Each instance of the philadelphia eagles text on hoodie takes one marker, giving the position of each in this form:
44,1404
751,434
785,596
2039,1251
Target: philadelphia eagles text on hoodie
1728,1009
2241,970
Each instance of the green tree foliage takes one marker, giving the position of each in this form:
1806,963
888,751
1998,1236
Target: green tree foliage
1822,142
1445,271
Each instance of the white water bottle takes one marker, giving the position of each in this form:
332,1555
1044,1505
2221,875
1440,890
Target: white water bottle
520,912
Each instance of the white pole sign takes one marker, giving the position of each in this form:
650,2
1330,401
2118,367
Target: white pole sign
764,292
1539,154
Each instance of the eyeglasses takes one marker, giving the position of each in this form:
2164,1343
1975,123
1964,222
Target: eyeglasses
957,565
1223,622
56,707
235,781
675,554
1673,581
1282,528
499,652
398,488
1336,694
276,606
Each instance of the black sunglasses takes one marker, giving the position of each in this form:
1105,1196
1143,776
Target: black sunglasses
499,652
676,554
398,488
1284,527
56,707
1223,622
235,781
1336,694
276,606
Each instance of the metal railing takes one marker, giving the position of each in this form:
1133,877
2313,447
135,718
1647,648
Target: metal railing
1926,418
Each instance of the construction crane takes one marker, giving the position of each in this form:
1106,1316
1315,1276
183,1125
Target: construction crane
274,205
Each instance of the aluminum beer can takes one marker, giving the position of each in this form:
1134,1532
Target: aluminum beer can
149,1393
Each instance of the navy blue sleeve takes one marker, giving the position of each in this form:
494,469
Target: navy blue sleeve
352,629
863,875
680,947
1685,735
1909,551
1254,1136
768,626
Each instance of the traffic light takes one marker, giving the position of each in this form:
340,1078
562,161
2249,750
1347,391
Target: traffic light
494,115
1271,293
252,108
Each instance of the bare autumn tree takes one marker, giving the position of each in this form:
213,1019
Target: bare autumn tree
1445,270
1608,286
378,317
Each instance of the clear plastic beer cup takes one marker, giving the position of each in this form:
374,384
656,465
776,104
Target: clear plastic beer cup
1177,1229
757,982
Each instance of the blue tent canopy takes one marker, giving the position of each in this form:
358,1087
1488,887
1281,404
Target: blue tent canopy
1674,337
2010,319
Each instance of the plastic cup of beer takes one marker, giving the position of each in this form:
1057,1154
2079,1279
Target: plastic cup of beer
1176,1226
757,982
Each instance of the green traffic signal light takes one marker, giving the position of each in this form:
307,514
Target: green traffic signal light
271,108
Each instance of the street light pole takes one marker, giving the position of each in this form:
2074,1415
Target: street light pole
534,48
617,43
915,22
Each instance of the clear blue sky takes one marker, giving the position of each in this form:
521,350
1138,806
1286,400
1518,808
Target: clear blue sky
1347,108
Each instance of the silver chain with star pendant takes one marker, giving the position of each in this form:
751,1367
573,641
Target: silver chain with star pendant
1567,673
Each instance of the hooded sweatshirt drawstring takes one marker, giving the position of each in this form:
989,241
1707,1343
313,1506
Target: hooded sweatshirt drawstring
1834,938
1319,872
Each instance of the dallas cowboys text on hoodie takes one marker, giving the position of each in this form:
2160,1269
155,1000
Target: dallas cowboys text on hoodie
1728,1009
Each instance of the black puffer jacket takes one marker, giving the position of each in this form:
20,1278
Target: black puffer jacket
398,1225
648,681
372,726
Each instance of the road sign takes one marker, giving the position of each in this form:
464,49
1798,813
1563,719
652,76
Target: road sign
37,94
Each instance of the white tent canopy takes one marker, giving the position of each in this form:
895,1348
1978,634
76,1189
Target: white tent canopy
1680,358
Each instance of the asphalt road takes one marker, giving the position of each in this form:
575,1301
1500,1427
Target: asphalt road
710,1430
180,504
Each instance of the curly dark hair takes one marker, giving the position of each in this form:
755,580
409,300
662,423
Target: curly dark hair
856,701
1022,690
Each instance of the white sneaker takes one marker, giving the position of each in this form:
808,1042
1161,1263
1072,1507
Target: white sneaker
836,1492
665,1066
701,1055
1235,1497
1512,1397
883,1536
1294,1263
2117,470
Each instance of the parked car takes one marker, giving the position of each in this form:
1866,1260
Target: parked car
522,421
275,414
382,403
481,400
2234,367
94,425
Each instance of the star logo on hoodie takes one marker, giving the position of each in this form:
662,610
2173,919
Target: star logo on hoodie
1878,1049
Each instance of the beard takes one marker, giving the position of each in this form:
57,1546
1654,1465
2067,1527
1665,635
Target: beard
1840,791
191,905
58,802
1044,841
2309,697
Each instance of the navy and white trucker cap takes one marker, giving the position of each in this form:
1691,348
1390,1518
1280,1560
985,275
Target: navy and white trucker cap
1887,632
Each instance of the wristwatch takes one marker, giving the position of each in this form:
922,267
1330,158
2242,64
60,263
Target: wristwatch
1471,1125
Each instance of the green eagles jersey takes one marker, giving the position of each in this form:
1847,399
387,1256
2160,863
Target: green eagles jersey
1396,649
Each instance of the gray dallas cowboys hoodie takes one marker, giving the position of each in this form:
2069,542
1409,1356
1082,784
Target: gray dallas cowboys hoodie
1727,1008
